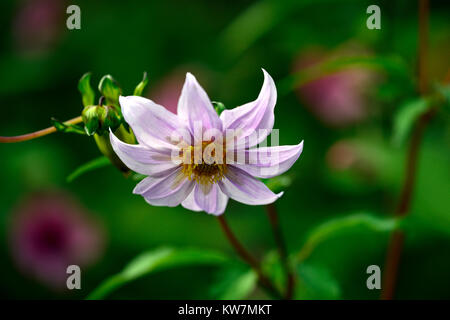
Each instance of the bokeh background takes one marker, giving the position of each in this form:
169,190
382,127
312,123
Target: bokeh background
351,163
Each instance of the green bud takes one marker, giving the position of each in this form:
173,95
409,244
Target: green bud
219,107
87,93
109,119
110,90
90,119
99,119
141,86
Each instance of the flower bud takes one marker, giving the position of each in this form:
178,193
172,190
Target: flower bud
110,90
98,119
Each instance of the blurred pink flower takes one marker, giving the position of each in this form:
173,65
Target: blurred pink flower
338,99
49,232
167,91
38,23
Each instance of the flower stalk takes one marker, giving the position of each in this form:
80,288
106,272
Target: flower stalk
397,239
248,258
38,134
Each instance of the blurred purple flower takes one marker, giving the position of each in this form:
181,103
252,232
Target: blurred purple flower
49,232
338,99
38,24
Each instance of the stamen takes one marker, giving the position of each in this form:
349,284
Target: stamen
203,173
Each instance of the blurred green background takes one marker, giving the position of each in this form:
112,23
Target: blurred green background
349,163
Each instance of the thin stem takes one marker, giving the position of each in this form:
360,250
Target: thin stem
37,134
248,258
424,13
272,213
397,239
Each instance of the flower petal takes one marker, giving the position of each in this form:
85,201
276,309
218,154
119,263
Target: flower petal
189,202
242,187
142,159
195,106
268,162
255,117
152,124
168,191
213,202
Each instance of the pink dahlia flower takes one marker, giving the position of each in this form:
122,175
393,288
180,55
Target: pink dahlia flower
49,232
199,159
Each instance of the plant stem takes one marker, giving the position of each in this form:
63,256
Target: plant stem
272,213
248,258
397,239
37,134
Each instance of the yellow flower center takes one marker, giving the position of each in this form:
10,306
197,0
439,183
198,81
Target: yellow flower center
205,163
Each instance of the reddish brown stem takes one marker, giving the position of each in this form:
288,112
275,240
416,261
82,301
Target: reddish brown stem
272,213
395,248
248,258
37,134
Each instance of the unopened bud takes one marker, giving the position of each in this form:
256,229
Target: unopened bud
99,119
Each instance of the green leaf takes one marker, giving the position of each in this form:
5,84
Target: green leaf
141,86
154,261
332,227
251,25
87,93
279,183
233,283
110,90
138,177
315,282
406,117
89,166
444,91
67,128
393,65
272,266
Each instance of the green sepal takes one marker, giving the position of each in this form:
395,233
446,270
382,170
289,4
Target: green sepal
219,107
87,93
104,145
109,88
141,86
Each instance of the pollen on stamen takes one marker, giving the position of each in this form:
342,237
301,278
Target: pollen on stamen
202,173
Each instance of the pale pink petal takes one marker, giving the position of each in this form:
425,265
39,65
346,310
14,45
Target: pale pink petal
268,162
255,117
142,159
168,191
212,200
195,107
152,124
189,202
242,187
